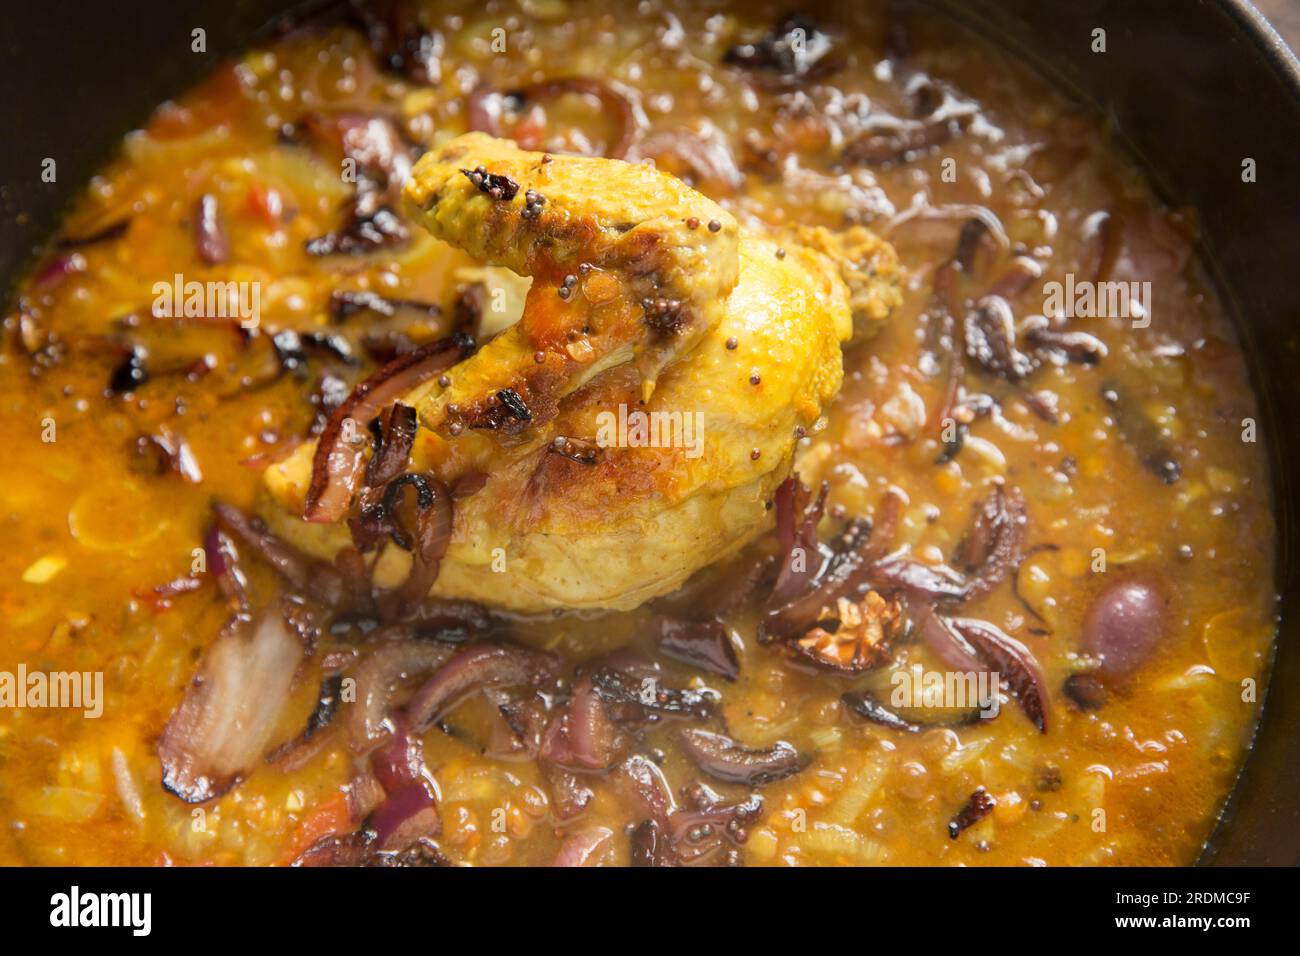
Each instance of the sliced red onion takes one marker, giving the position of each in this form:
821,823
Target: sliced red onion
723,758
383,162
1015,663
294,350
1018,277
800,559
795,49
647,786
979,541
408,810
57,268
377,678
175,452
399,41
1012,660
1063,344
432,536
903,139
633,691
990,339
337,464
483,108
345,303
209,234
223,725
405,816
394,795
582,736
1141,433
569,795
361,234
364,792
585,848
517,735
857,554
160,595
422,853
338,849
698,833
891,139
701,833
1104,231
922,214
706,159
314,577
223,564
397,427
362,849
972,232
990,553
471,483
941,358
865,705
950,647
477,667
379,514
701,644
1000,529
400,760
295,753
929,582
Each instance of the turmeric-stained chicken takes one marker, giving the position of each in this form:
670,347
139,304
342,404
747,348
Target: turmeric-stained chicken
629,429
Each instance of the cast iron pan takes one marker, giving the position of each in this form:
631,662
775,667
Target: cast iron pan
1193,86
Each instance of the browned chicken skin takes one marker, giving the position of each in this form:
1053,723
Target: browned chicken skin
647,299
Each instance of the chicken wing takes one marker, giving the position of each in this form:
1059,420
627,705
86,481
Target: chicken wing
627,263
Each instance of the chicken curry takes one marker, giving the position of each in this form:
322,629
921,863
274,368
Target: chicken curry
544,434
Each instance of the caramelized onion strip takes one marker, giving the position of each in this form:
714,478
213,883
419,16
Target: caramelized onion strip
337,464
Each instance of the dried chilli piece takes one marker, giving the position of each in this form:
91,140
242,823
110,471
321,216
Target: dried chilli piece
979,806
853,636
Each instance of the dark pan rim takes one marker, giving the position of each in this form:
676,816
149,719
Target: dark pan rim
1282,61
1280,55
